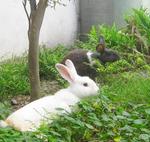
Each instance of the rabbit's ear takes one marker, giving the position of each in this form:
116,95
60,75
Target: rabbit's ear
101,46
101,40
65,72
71,66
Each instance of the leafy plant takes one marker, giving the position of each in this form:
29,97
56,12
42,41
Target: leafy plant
14,72
14,77
100,119
5,110
48,59
139,26
120,113
128,87
117,39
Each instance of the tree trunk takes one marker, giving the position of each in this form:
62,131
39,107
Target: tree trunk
36,19
33,61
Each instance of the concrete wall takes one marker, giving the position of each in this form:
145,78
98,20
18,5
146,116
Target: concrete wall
122,7
146,3
59,26
93,12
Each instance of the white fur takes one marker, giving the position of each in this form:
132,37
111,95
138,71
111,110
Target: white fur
89,55
29,117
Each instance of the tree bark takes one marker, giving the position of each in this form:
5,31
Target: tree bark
33,61
36,19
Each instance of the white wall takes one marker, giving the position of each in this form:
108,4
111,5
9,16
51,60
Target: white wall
59,26
122,7
95,12
146,3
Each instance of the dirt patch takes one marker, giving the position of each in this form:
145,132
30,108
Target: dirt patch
49,87
19,101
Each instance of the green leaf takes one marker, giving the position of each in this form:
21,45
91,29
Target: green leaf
144,137
105,117
120,117
125,113
138,121
117,139
127,128
145,130
89,126
147,111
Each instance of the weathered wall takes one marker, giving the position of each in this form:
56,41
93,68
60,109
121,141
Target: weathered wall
60,26
146,3
122,7
93,12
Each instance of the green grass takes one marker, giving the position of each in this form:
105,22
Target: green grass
14,77
14,74
129,87
5,110
48,58
121,113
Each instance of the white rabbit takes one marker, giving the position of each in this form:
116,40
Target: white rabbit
29,117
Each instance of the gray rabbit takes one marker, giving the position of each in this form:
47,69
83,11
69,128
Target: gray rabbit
83,59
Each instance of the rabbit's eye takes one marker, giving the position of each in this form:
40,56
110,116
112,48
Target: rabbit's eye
85,84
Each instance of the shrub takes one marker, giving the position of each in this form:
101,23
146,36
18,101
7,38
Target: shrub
14,77
97,119
48,59
120,113
5,110
139,21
